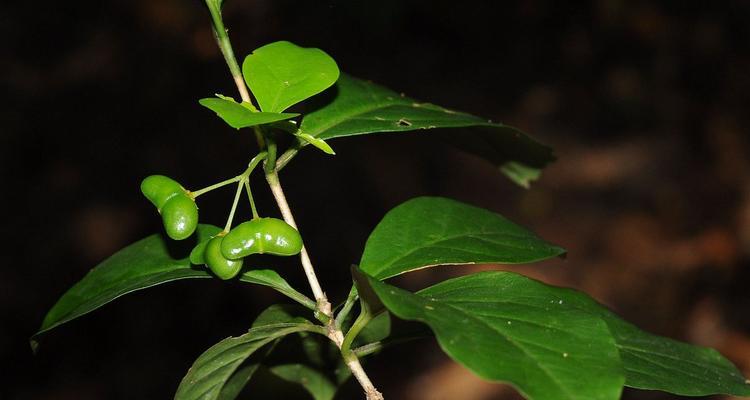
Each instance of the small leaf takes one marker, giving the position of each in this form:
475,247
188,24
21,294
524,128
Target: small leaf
430,231
282,74
319,143
215,367
313,381
522,174
535,340
239,115
361,107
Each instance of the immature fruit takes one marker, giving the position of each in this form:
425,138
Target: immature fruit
180,216
158,189
219,265
259,236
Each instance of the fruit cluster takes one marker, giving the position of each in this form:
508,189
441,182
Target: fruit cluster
223,254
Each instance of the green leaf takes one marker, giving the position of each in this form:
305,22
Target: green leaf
313,381
319,143
240,116
272,279
234,385
211,371
535,340
520,173
141,265
282,74
430,231
658,363
361,107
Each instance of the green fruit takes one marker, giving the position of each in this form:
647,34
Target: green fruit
158,189
220,266
259,236
197,254
180,216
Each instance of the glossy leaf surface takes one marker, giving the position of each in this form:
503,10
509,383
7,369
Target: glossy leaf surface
282,74
215,367
648,361
143,264
238,116
361,107
535,340
660,363
429,231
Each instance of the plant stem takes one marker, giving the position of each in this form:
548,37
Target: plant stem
252,201
222,39
228,226
350,300
324,307
213,187
278,194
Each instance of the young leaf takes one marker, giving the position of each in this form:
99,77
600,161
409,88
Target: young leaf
319,143
534,340
282,74
362,107
239,116
313,381
141,265
430,231
211,371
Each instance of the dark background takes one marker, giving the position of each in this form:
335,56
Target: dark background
645,102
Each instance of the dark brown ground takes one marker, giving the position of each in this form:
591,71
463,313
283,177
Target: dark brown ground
645,102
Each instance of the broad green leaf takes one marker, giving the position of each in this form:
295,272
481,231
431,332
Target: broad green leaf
655,362
282,74
430,231
141,265
361,107
211,371
239,116
313,381
535,340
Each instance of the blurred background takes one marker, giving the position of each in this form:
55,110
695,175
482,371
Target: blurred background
645,102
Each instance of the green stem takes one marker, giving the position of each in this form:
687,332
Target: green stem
252,201
350,300
270,164
362,320
222,39
234,206
284,159
214,186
